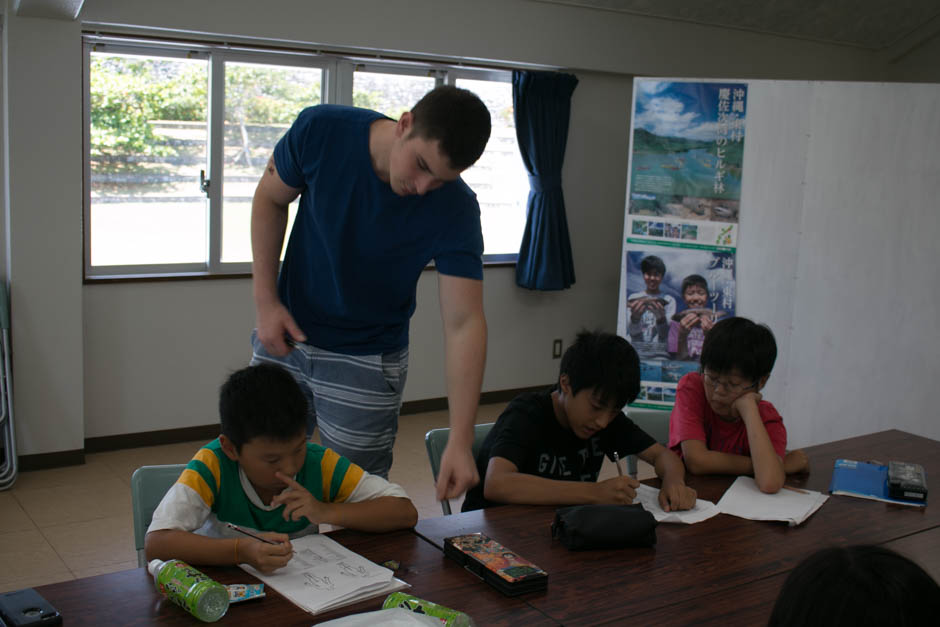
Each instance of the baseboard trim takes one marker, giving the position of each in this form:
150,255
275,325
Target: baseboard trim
486,398
102,444
42,461
151,438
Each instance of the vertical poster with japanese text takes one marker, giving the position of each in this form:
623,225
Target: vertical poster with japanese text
681,225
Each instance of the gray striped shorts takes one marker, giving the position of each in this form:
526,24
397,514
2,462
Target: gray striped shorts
353,399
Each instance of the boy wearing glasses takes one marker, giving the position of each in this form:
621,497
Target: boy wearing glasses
720,424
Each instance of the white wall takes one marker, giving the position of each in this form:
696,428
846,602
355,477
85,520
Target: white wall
123,358
45,182
845,176
864,347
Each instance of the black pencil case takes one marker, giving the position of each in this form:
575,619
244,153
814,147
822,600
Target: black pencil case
582,527
495,564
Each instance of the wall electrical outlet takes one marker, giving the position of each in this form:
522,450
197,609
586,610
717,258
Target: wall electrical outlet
556,349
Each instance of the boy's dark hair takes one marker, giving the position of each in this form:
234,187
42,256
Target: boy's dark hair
605,362
694,279
859,586
458,119
652,263
738,343
261,401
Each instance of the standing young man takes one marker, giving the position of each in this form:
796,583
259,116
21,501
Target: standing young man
379,200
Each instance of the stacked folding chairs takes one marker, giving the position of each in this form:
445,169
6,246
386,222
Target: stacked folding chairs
7,435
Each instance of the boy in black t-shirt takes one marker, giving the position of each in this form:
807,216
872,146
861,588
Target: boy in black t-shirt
547,447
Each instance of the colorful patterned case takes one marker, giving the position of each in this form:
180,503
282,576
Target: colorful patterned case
495,564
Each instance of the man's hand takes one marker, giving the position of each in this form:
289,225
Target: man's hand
266,557
298,502
274,324
458,472
675,496
616,491
795,461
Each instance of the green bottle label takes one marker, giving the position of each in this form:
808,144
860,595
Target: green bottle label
191,590
446,615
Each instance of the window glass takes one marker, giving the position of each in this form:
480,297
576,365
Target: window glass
499,177
152,132
148,145
391,94
261,102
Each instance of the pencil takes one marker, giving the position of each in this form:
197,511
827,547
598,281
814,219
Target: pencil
250,535
790,487
617,461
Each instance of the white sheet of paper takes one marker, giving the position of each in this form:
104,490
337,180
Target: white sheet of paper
745,500
648,497
324,574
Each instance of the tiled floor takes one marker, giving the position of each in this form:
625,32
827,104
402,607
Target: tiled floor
75,522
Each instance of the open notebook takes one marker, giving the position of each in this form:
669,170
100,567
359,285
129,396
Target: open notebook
792,505
323,575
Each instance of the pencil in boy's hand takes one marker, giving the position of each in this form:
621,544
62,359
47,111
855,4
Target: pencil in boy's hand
617,462
251,535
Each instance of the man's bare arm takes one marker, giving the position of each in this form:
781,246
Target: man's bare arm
268,223
461,302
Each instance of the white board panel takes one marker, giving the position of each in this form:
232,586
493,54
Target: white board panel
863,353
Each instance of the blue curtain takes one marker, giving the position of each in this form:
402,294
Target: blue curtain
541,108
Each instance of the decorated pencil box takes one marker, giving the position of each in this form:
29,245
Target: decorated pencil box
495,564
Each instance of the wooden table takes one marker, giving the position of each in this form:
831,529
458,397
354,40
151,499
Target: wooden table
129,597
724,570
697,571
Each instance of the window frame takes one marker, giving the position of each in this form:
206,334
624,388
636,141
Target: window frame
336,87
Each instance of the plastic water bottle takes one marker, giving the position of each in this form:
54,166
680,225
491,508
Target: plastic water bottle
447,616
191,589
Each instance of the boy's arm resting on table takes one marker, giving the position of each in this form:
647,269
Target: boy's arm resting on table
171,536
461,304
505,484
702,461
674,494
195,549
268,223
795,461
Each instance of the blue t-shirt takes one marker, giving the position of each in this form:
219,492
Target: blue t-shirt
357,249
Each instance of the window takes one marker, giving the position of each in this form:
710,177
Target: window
499,178
177,137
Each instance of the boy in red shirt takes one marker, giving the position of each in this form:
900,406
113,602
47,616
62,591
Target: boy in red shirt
720,424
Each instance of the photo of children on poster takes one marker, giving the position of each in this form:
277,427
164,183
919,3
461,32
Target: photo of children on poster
673,297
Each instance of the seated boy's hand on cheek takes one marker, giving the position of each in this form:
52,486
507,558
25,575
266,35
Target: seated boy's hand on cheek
267,557
748,399
675,496
617,491
297,501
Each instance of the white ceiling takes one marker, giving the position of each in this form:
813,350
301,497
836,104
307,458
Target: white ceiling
871,24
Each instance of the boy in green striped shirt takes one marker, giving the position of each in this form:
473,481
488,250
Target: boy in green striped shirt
262,475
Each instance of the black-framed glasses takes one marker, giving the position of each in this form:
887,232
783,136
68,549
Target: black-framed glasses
732,388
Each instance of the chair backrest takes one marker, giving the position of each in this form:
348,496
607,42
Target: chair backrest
148,485
436,440
655,422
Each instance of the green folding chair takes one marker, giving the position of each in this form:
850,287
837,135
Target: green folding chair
148,485
436,439
655,422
